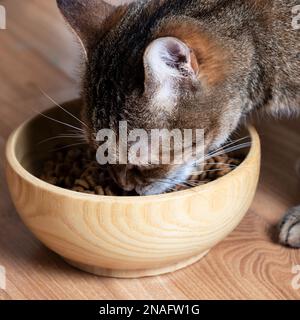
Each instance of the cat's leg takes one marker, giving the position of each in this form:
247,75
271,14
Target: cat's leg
289,228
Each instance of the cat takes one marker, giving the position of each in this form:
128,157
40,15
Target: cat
185,64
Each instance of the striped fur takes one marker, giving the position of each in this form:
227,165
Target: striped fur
245,55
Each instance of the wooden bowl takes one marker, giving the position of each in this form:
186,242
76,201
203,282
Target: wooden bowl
125,237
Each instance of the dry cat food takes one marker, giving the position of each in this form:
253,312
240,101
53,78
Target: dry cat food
76,169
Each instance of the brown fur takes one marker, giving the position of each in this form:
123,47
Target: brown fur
113,19
239,64
211,58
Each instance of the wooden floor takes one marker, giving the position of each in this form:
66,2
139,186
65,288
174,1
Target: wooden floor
37,50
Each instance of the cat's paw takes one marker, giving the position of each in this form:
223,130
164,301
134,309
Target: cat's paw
289,228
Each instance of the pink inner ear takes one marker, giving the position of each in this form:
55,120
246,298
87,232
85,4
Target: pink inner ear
167,59
175,53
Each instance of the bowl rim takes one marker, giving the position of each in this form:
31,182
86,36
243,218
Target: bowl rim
17,167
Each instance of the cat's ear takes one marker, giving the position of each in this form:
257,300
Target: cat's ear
168,59
86,16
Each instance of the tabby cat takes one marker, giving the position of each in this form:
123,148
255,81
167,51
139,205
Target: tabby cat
186,64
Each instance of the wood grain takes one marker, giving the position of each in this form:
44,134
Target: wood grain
126,237
37,50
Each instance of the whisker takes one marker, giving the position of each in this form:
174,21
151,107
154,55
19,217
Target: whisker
235,148
62,108
222,163
60,122
61,137
230,144
167,183
212,170
68,146
227,150
206,171
181,183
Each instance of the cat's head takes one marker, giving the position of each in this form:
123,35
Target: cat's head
155,71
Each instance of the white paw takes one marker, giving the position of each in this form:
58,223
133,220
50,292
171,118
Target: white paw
289,228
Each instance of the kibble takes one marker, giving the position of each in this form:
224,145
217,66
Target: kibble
77,170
